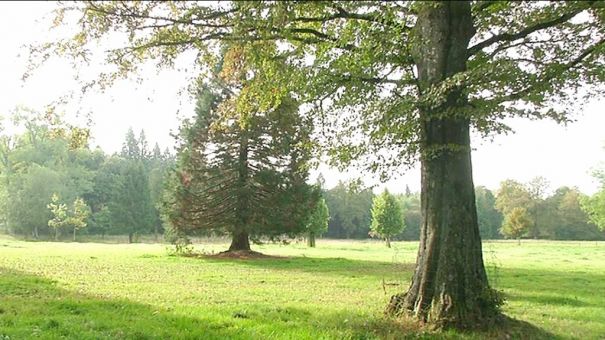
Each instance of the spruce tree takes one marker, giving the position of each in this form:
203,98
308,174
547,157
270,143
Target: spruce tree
130,205
130,147
242,165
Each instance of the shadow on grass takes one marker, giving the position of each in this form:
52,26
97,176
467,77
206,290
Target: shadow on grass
511,328
326,266
552,288
552,300
33,306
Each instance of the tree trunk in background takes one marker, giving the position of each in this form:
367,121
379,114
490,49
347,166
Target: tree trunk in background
56,234
74,234
35,233
311,240
388,242
449,287
534,229
240,238
239,241
130,237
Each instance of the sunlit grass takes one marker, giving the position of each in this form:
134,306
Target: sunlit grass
337,290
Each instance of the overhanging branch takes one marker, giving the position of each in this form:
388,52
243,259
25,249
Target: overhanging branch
523,33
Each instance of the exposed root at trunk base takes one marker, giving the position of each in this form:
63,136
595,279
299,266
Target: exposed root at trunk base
396,308
242,254
485,316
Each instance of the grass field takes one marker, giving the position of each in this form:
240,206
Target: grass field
336,291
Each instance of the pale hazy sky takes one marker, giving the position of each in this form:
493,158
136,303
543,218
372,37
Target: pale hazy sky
564,155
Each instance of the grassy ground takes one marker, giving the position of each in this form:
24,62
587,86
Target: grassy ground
338,290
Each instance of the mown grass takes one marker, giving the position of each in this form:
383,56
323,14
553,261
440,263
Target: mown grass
335,291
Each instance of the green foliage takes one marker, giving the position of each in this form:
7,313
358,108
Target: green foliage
412,215
349,207
594,206
318,222
565,219
516,223
100,222
59,213
130,204
46,159
131,149
558,216
356,61
387,219
182,243
489,218
512,194
76,217
80,214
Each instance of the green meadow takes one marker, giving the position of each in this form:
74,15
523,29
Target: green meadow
338,290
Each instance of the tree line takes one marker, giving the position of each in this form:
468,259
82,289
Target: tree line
52,183
50,176
563,215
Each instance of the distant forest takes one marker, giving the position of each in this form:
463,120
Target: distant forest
123,191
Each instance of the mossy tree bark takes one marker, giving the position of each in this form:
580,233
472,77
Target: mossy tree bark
449,287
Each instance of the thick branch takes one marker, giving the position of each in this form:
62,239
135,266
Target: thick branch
523,33
547,76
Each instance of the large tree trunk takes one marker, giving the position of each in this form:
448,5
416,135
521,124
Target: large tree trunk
388,241
239,241
449,287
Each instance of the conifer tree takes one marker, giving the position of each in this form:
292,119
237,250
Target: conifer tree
242,165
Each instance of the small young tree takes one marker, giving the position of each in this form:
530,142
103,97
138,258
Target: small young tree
79,215
516,222
59,211
387,219
318,222
76,217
